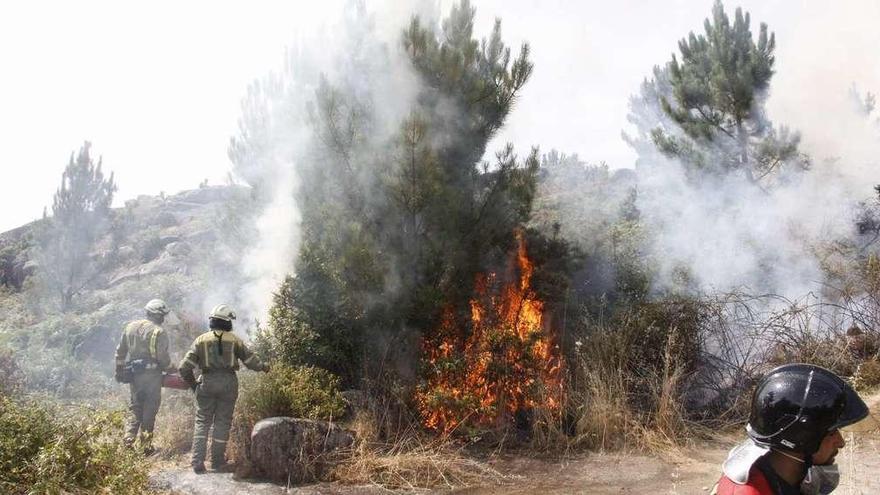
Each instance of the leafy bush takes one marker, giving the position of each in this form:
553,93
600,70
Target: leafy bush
304,392
11,377
42,450
300,392
311,323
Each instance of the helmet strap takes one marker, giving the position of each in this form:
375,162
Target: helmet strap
792,457
219,341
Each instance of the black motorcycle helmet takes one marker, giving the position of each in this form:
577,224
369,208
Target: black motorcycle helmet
796,405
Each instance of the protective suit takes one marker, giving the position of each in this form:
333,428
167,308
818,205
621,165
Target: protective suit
216,353
141,357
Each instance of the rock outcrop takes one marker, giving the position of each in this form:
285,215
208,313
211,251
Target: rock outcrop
292,450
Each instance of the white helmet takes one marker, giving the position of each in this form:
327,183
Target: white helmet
222,312
157,307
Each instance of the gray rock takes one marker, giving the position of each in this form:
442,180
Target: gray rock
168,239
296,450
178,248
210,194
161,265
126,253
202,236
30,266
166,219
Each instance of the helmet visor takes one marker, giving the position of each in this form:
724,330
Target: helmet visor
854,413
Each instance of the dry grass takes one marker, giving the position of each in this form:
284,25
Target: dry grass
406,459
867,375
621,396
174,424
413,464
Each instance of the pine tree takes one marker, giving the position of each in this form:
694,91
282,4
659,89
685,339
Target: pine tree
80,216
397,216
719,89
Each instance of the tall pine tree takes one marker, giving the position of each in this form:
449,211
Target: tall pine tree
719,90
80,216
398,214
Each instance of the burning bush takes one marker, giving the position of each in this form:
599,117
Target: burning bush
501,362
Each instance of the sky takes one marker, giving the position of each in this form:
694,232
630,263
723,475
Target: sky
156,86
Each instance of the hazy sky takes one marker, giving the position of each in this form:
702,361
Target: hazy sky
156,85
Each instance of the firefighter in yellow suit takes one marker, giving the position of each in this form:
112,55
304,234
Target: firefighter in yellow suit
216,353
141,357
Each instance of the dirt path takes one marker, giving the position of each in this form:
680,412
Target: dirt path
602,474
692,471
598,474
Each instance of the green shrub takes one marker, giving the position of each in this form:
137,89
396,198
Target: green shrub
44,450
300,392
11,376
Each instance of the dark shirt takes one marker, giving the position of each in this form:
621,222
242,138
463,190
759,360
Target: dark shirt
779,485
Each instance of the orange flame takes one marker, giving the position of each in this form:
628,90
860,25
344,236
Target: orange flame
506,364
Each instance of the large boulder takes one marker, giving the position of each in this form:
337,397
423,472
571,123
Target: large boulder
178,248
296,450
203,195
164,264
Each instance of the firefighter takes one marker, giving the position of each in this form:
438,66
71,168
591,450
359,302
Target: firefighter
794,434
216,353
141,357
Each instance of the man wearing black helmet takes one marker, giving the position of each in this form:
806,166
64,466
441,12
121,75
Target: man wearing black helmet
794,434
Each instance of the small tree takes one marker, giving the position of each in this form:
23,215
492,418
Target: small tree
80,215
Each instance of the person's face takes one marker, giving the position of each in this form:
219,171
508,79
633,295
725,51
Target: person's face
832,443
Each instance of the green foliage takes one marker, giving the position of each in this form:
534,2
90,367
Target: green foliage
394,222
43,450
292,337
595,211
716,105
13,255
80,216
11,376
299,392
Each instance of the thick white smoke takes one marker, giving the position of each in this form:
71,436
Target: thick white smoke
267,262
358,53
730,234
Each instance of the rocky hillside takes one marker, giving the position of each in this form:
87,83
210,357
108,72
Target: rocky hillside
171,247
